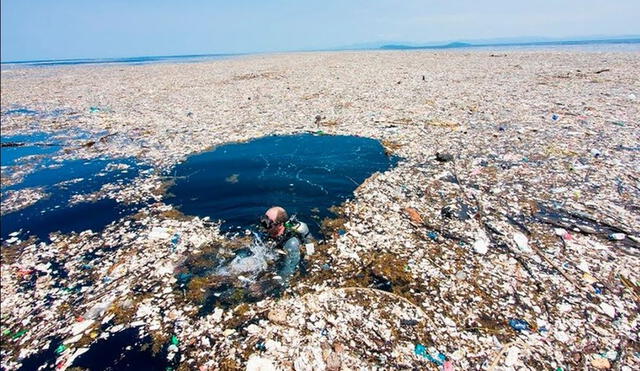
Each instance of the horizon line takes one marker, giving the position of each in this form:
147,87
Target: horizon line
382,46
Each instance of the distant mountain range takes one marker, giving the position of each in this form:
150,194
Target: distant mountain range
505,41
522,43
442,46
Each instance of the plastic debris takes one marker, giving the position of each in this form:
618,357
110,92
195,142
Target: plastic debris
617,236
601,363
608,309
481,244
519,324
261,346
512,356
611,355
309,249
175,340
97,109
61,348
159,233
521,241
257,363
19,334
444,157
422,351
175,240
561,336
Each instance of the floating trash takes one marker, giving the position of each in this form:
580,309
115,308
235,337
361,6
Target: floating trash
220,277
537,178
421,350
519,324
49,194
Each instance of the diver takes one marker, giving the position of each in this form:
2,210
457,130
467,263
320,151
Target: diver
247,277
287,235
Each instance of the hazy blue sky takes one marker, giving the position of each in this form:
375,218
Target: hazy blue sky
53,29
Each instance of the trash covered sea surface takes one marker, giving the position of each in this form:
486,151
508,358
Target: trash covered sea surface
506,237
231,185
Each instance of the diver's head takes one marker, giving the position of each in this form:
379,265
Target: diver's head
273,221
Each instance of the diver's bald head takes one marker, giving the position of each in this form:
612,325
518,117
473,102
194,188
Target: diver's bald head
277,214
275,225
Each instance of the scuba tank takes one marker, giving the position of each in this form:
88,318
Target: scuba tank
298,227
296,234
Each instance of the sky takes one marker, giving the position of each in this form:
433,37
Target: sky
65,29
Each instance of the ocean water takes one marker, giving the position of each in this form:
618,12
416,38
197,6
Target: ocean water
586,48
116,61
125,350
60,180
306,174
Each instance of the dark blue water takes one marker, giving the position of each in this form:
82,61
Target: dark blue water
20,111
15,155
124,350
38,114
306,174
60,180
37,146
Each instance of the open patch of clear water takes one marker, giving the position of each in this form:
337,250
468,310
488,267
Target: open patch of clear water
124,350
306,174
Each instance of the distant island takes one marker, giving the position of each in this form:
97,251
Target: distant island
445,46
455,45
